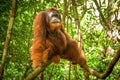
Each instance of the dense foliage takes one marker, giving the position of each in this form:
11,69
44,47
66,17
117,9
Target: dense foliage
99,47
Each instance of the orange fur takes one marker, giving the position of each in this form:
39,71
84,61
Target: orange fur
52,43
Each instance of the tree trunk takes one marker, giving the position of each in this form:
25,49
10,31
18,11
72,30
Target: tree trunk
7,41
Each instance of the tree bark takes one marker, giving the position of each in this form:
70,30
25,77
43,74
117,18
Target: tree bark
7,41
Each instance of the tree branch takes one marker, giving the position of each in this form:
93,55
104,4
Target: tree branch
108,69
101,15
107,72
36,72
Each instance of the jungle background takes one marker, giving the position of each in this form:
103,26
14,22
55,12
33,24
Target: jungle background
95,24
